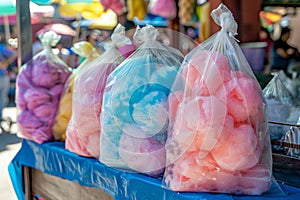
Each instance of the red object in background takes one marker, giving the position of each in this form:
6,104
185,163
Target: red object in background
12,19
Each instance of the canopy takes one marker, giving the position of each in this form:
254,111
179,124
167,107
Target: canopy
88,9
89,14
8,7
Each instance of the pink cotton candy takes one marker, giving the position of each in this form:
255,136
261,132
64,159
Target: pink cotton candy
73,142
92,144
174,99
36,96
143,155
84,124
191,174
237,148
243,96
256,180
208,71
206,117
86,109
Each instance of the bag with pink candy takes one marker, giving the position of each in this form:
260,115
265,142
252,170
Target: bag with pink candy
40,84
83,131
218,138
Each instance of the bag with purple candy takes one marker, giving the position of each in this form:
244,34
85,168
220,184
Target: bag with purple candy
40,84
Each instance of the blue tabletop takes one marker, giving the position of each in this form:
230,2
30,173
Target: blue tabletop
52,158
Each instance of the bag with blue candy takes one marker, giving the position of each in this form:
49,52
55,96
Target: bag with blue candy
134,116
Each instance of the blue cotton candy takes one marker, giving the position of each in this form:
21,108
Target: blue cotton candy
134,108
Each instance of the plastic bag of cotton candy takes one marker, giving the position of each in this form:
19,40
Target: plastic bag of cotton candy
40,84
83,131
87,51
282,106
134,116
218,139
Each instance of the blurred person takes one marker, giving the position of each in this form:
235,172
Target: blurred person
264,36
93,39
7,56
283,54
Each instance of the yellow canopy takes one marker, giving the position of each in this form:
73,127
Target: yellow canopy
86,10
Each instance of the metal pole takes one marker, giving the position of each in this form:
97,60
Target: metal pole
24,32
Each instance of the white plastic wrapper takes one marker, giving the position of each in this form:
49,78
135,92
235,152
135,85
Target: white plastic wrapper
83,131
218,139
134,116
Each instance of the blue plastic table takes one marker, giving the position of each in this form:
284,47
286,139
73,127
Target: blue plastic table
52,158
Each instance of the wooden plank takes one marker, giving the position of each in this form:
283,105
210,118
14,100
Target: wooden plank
24,32
55,188
27,182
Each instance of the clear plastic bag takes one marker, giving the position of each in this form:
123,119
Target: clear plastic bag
83,131
134,117
218,139
281,103
40,84
87,51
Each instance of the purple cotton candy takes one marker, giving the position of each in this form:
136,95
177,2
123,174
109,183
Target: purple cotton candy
28,120
47,73
45,112
42,135
57,90
40,84
35,97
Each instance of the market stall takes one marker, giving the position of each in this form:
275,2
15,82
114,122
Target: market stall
149,123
